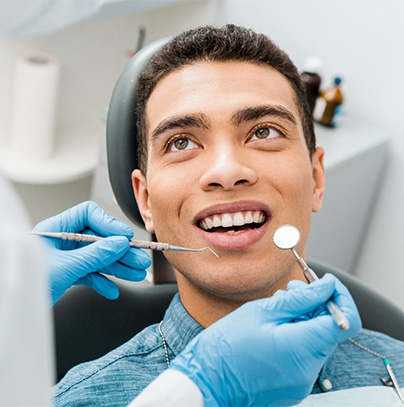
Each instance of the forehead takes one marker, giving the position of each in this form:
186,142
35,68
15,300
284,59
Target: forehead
218,88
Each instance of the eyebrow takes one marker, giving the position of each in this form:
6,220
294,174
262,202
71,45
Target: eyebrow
198,120
257,112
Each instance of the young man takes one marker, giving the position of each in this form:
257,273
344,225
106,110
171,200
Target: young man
227,153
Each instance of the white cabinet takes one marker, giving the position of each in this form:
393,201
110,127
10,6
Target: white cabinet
356,155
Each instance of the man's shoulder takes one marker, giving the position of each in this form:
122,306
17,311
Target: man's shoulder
376,344
359,362
118,376
379,338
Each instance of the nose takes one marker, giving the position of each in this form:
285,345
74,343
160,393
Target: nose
227,168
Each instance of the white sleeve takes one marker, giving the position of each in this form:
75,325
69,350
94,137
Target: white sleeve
171,389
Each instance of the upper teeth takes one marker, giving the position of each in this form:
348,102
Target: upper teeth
227,220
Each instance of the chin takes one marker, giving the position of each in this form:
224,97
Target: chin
234,285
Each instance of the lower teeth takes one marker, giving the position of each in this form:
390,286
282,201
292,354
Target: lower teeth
234,232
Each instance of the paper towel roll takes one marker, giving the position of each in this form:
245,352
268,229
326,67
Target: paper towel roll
34,102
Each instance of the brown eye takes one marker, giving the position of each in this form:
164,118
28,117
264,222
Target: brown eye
181,144
262,133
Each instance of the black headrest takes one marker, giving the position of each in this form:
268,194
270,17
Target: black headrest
122,131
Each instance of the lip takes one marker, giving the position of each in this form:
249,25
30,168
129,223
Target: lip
243,240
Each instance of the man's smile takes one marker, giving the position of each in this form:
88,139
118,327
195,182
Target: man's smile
233,225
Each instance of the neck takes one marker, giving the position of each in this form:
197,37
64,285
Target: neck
207,307
204,307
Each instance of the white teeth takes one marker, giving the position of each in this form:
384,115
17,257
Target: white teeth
209,223
248,218
216,221
233,232
256,217
238,219
227,220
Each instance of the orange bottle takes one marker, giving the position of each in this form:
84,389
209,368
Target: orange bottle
329,104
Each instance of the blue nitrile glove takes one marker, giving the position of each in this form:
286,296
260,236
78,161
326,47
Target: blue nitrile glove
74,263
260,356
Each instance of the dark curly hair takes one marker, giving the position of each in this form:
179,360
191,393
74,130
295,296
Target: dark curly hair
227,43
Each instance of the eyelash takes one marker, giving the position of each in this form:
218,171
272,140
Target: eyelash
265,126
173,139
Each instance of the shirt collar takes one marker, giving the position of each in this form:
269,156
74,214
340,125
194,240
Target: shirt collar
178,327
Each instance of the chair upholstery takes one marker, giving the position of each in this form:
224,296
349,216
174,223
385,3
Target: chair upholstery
377,312
122,131
88,326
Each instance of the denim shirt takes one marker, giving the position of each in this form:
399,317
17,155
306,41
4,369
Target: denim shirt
118,377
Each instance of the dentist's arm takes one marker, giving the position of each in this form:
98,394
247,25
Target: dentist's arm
74,263
267,352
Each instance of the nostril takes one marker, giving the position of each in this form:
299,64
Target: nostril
228,176
238,182
241,181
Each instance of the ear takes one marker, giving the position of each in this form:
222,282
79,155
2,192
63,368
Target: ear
139,184
318,178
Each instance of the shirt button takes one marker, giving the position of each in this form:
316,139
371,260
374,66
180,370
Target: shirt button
327,384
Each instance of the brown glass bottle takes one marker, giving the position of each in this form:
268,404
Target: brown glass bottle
312,80
328,105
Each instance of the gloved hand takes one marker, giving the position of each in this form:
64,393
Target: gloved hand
270,351
75,263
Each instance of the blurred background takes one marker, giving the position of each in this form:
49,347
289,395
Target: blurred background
361,226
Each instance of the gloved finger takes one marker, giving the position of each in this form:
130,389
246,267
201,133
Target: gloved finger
322,332
87,215
101,284
321,310
96,256
105,225
294,284
133,258
320,335
318,311
328,329
136,258
289,305
343,299
304,317
125,273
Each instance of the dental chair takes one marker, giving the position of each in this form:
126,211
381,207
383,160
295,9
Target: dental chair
88,326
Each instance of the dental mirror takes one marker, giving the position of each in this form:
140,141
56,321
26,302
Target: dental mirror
286,237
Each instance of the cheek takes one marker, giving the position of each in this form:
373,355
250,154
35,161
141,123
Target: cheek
167,194
296,182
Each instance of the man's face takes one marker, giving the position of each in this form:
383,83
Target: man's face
227,165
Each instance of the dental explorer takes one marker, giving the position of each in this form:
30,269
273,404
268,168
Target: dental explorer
140,244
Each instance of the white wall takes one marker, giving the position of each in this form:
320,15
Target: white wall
92,55
363,41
